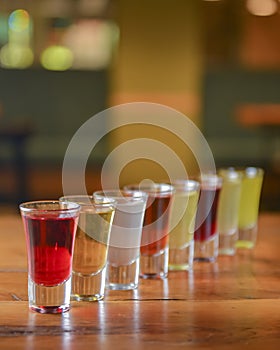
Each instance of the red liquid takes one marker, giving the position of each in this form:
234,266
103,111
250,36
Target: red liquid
155,236
50,247
209,226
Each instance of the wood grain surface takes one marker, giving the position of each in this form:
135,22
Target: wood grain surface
234,302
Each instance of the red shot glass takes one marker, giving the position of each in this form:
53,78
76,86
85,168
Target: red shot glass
50,228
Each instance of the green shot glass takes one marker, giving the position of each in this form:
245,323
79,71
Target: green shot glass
251,186
228,210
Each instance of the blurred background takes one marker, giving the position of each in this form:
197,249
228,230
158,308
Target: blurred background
63,61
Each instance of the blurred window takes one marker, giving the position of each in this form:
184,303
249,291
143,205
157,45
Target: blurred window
57,35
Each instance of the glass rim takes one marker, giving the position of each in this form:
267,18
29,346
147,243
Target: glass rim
185,185
247,171
153,189
229,173
106,202
30,206
116,194
210,180
251,171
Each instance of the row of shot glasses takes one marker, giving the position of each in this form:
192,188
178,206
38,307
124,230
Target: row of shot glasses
80,245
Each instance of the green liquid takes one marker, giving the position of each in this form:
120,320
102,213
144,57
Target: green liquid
249,200
182,221
244,244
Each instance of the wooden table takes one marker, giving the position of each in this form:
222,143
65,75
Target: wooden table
233,303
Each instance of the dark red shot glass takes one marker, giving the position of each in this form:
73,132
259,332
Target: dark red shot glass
206,235
155,234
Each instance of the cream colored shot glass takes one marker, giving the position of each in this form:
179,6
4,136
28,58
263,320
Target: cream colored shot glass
124,251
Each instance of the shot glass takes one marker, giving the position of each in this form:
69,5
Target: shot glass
91,247
251,186
155,233
182,221
124,249
50,228
206,237
228,211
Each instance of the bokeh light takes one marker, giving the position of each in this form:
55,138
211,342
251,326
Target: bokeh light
92,42
56,57
17,53
16,56
262,7
19,20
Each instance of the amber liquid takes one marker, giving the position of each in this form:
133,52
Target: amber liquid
155,227
91,243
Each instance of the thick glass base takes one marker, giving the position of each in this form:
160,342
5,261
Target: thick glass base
227,243
49,300
154,266
247,237
88,287
124,277
207,250
181,259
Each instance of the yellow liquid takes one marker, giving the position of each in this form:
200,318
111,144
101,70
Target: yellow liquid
249,200
244,244
91,242
182,220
